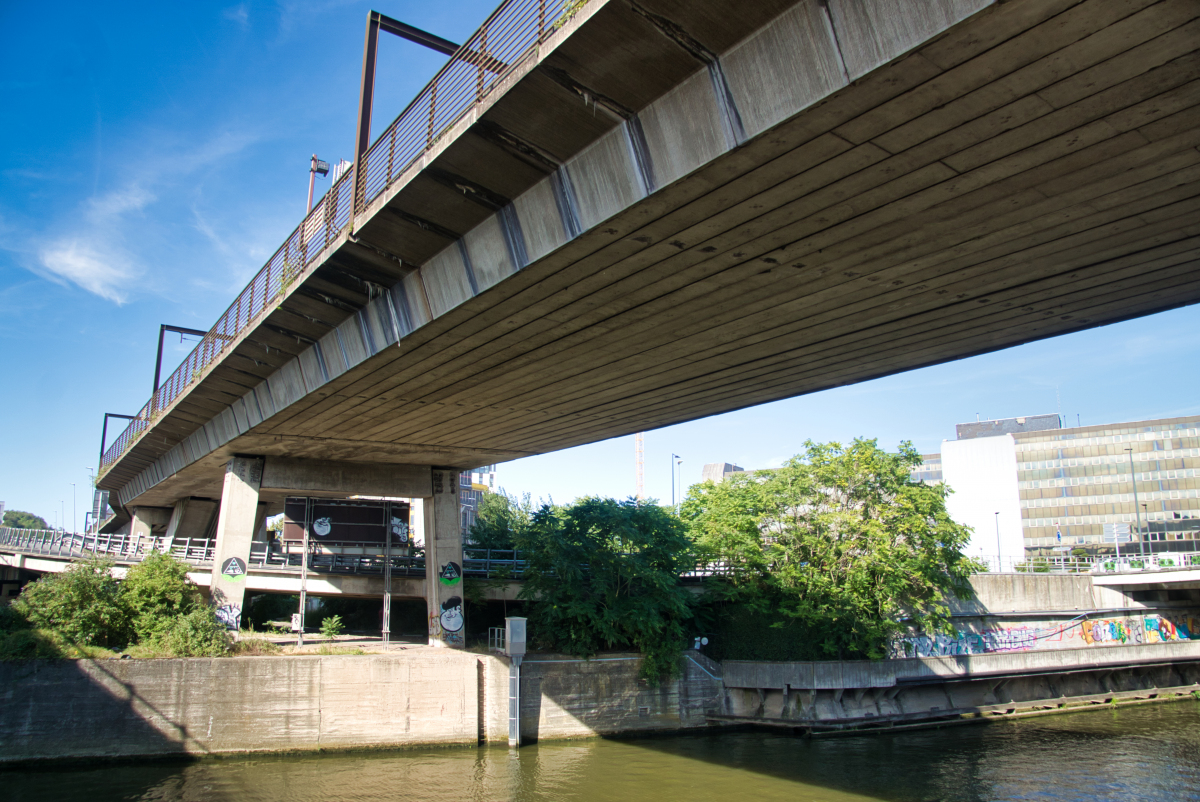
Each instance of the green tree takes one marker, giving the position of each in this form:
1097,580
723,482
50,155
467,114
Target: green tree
501,520
605,574
157,591
15,519
847,545
84,603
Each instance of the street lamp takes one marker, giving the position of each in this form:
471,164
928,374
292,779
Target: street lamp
1136,511
673,458
315,166
679,465
73,510
999,553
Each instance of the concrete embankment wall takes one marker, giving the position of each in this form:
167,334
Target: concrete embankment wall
1022,612
837,694
126,708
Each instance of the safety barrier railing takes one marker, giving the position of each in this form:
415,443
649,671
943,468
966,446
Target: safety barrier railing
347,557
1131,563
509,36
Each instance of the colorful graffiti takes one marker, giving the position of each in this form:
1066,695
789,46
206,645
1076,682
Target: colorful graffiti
1065,635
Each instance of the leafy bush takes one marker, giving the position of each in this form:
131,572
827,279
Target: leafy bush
84,604
157,592
332,626
605,575
11,620
197,634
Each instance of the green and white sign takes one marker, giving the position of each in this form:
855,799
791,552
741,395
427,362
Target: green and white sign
451,574
233,568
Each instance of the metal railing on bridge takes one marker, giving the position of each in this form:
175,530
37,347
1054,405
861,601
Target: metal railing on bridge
333,557
506,39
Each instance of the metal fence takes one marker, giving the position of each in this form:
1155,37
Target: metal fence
358,558
505,40
330,558
1160,561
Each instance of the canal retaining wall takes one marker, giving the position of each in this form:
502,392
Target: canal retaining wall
417,696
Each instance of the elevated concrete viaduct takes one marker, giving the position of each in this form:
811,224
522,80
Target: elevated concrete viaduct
653,210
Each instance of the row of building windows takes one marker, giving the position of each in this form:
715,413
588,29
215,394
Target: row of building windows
1150,484
1096,454
1115,498
1091,515
1083,540
1114,463
1174,474
1131,434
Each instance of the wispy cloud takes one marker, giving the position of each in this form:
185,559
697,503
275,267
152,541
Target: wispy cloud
105,274
92,251
237,14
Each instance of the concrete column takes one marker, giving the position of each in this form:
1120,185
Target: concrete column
443,562
189,519
139,524
235,530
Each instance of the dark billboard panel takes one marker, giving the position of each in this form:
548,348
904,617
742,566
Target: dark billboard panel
346,521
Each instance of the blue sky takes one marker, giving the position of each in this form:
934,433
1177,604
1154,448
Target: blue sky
153,156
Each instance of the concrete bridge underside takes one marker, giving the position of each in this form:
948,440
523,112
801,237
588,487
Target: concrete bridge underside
680,209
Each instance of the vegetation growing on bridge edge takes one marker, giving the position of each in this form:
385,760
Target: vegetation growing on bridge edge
156,611
823,558
15,519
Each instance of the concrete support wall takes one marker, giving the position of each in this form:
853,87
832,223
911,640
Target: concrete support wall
122,708
443,562
236,521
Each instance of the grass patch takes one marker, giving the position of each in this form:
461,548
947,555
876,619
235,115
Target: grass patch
327,649
46,644
254,647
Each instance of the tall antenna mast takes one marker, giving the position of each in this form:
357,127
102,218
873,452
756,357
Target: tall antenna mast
639,445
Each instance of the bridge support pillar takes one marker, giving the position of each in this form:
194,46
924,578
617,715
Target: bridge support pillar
443,562
190,518
139,525
236,520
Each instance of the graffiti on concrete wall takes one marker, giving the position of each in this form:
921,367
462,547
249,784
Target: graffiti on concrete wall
1130,631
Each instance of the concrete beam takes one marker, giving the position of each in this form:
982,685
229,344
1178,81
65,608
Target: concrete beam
316,476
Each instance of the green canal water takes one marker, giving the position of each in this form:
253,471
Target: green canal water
1141,753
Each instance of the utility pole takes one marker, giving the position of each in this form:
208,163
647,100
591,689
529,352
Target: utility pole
1136,511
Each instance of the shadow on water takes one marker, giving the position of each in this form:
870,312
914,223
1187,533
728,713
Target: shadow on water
1148,753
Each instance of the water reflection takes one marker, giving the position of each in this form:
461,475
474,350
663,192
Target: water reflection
1150,753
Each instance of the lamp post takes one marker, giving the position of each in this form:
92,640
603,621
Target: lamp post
674,457
74,512
315,166
1136,511
999,553
679,469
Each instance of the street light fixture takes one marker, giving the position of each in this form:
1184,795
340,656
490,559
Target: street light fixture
315,166
74,513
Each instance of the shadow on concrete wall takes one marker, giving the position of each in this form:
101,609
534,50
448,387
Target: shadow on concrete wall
50,708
